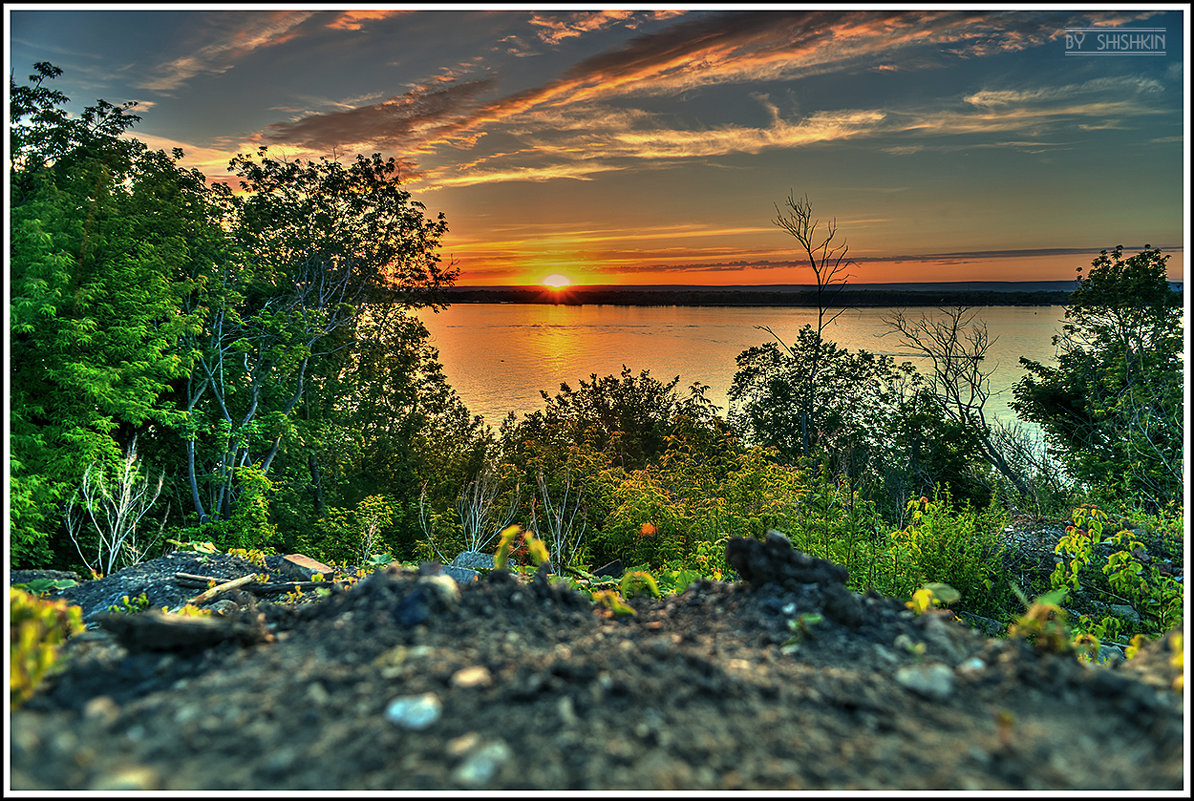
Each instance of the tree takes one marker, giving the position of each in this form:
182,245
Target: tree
956,346
315,243
1111,408
829,263
104,233
853,393
627,416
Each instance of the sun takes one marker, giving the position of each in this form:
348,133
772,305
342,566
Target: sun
557,281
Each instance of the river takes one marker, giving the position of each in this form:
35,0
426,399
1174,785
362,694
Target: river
498,356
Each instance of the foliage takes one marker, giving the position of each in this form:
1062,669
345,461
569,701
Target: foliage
1129,574
130,606
852,393
36,627
1111,406
353,535
961,547
104,235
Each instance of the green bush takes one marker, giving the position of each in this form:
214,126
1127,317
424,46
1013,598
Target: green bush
959,547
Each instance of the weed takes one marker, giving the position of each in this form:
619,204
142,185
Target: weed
802,629
611,600
130,607
931,596
35,630
635,582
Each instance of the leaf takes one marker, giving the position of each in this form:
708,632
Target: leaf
943,592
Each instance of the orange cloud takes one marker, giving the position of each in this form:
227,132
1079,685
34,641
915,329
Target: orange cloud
352,20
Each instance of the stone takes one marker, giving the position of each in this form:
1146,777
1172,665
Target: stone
298,567
482,764
128,777
477,676
1126,612
473,560
415,712
613,569
462,575
934,681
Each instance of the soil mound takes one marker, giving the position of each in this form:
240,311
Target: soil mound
408,681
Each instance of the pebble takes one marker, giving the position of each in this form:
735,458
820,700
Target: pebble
935,681
480,766
415,712
133,777
477,676
972,666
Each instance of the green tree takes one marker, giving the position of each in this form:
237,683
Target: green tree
103,233
1111,407
854,393
315,244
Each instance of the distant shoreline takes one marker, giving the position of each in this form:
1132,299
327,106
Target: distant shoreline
1038,293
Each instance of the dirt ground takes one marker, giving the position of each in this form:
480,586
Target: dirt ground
399,683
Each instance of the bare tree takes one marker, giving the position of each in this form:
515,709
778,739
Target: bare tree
480,524
956,346
114,506
830,262
475,505
559,527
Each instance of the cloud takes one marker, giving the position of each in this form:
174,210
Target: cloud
233,36
565,127
555,29
353,20
405,122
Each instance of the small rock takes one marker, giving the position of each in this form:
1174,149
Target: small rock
131,777
480,766
443,587
462,575
101,707
1126,612
302,568
415,712
972,666
413,609
318,694
935,681
477,676
459,746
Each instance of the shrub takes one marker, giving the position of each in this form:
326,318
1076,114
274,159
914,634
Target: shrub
959,547
35,630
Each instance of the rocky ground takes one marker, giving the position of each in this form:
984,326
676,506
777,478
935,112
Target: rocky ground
408,681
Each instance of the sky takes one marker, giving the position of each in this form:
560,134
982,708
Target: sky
654,147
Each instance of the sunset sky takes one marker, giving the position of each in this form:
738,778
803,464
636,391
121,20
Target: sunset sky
652,146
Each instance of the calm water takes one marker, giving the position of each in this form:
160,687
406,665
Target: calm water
498,356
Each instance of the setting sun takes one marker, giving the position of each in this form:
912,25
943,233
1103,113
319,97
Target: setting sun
557,281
